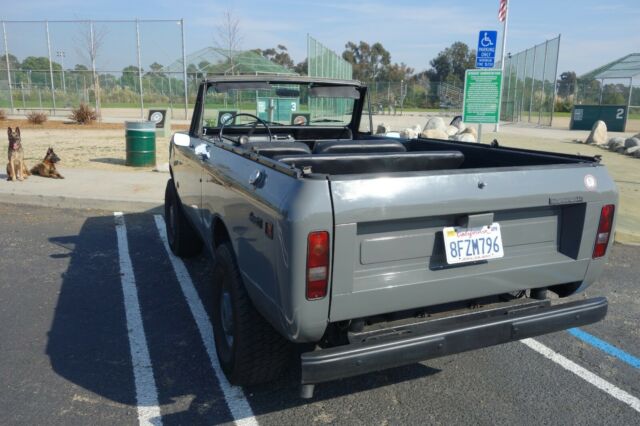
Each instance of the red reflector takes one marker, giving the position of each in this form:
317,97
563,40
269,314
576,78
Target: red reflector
317,264
604,231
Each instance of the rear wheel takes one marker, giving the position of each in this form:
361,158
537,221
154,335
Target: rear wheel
183,238
249,349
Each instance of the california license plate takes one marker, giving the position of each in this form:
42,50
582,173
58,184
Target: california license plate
472,244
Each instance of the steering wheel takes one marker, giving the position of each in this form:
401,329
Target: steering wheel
253,127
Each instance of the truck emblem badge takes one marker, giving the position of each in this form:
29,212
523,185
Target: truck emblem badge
590,182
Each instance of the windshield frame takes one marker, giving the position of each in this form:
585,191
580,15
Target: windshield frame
196,128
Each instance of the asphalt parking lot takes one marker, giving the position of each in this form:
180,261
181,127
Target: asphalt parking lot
100,325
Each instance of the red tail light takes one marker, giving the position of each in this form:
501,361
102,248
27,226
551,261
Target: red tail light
317,264
604,231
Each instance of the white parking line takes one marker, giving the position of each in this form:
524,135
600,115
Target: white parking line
233,395
584,374
146,392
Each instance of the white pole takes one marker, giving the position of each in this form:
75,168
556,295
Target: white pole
502,54
184,72
53,87
6,57
139,69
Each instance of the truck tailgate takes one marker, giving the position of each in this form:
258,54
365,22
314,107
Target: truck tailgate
388,245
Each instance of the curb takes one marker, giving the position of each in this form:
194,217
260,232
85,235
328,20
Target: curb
128,206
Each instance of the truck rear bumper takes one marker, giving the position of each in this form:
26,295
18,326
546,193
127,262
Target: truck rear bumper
418,342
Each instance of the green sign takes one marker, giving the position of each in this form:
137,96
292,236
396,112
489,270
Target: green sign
482,96
277,109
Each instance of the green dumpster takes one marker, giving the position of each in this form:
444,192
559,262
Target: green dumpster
141,143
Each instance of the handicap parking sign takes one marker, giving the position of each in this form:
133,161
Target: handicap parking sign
486,52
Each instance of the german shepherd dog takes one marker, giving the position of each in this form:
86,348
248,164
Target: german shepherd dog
47,167
16,169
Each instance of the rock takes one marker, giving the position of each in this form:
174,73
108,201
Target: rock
436,123
457,122
472,131
615,144
465,137
632,151
616,140
382,129
162,168
632,142
598,133
409,133
452,130
434,134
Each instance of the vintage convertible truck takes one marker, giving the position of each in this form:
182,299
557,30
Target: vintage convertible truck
366,252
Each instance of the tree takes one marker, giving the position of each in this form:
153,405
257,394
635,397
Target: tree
37,68
14,65
279,55
229,38
397,72
368,61
451,63
130,77
156,69
91,41
567,84
302,68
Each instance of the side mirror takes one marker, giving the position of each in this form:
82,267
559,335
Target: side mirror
181,139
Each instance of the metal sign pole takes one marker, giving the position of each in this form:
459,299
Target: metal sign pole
53,88
6,57
502,54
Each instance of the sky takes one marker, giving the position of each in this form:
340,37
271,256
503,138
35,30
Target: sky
592,32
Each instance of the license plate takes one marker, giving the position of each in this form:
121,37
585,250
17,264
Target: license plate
472,244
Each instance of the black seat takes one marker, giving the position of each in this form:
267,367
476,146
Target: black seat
272,149
337,164
357,146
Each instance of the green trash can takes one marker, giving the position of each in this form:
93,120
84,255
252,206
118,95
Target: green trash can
141,143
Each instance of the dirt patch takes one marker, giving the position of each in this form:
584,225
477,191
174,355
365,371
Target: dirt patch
69,125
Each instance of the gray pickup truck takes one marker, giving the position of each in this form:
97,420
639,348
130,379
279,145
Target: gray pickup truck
365,252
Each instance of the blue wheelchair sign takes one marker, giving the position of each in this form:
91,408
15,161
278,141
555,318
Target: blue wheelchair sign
486,53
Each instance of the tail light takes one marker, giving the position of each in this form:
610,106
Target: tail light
317,264
604,231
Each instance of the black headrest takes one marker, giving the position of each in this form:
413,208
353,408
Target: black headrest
272,149
357,146
336,164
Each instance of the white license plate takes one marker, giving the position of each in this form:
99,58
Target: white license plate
472,244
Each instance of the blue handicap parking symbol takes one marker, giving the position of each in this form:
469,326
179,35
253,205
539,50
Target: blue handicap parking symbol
486,52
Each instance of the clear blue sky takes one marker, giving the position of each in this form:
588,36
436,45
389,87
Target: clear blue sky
593,32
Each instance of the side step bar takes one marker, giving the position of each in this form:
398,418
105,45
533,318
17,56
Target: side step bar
464,333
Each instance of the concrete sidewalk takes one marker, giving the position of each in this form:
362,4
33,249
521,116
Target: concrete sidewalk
133,191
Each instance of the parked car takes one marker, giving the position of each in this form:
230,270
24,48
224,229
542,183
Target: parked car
374,252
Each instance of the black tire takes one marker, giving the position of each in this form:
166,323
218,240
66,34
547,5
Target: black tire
183,238
250,351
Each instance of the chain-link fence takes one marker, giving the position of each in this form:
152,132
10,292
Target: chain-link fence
324,62
115,66
529,81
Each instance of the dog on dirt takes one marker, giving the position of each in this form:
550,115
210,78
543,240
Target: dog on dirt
47,167
16,169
